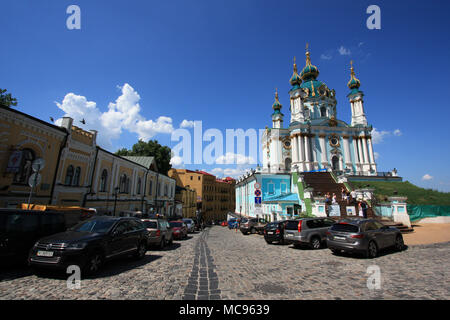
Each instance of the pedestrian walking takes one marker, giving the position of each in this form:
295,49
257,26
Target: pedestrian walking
343,193
360,209
364,209
334,201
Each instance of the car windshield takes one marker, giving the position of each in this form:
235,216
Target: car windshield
272,225
343,227
176,224
150,224
99,226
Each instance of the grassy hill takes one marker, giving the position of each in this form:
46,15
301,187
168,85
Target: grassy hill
415,194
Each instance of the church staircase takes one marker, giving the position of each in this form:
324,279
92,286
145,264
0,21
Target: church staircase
323,182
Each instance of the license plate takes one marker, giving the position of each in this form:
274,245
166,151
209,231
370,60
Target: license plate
289,234
270,232
45,253
338,238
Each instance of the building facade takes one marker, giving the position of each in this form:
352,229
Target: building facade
215,197
314,140
76,172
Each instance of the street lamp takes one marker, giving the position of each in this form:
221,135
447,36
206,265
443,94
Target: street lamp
116,191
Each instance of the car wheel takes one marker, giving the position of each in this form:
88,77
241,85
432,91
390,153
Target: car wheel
372,250
252,231
399,244
141,250
93,264
315,243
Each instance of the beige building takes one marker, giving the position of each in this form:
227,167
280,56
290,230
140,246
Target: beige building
215,197
186,202
77,172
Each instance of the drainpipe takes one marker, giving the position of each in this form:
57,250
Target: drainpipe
92,178
57,167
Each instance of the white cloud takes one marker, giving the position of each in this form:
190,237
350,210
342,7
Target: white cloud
325,56
176,161
360,44
427,177
230,172
397,132
376,155
123,114
344,51
378,136
187,124
232,158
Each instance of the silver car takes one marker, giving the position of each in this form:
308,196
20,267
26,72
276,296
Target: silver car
307,231
367,236
190,225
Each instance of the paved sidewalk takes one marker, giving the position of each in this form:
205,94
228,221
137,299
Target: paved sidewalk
428,233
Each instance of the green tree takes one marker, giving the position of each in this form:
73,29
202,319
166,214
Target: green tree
6,99
151,148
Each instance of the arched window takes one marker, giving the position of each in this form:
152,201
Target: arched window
323,112
25,169
139,186
123,184
335,163
103,180
76,177
287,164
69,176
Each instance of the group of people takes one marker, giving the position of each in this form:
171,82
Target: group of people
350,198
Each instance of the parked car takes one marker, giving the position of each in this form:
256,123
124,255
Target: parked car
159,232
233,223
274,231
90,243
20,229
190,225
179,229
252,225
307,231
366,236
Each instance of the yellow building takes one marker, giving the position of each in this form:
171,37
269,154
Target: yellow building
186,202
215,197
24,139
77,172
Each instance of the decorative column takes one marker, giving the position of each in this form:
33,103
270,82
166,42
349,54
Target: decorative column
307,152
366,154
360,153
314,152
302,152
372,156
348,160
355,152
294,146
323,148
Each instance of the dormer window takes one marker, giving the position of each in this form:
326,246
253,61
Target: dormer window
323,112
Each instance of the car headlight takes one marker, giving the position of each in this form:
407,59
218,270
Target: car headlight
77,246
36,244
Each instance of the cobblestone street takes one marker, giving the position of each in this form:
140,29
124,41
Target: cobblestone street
222,264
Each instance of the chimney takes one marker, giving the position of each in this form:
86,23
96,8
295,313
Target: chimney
67,123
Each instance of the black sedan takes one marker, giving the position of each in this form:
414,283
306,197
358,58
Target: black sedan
90,243
274,232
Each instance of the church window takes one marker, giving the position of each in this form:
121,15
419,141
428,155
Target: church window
76,176
323,112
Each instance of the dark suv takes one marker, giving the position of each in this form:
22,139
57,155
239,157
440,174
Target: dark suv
19,230
90,243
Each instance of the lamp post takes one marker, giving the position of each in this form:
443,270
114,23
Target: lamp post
116,191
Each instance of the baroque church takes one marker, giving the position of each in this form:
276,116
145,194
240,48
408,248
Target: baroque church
315,140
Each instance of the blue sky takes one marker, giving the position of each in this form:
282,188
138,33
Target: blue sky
219,62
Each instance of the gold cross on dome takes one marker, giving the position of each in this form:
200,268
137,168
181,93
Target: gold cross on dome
351,63
307,46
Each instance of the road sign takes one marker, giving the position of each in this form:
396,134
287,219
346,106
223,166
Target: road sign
34,180
38,164
258,211
258,193
257,185
257,200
